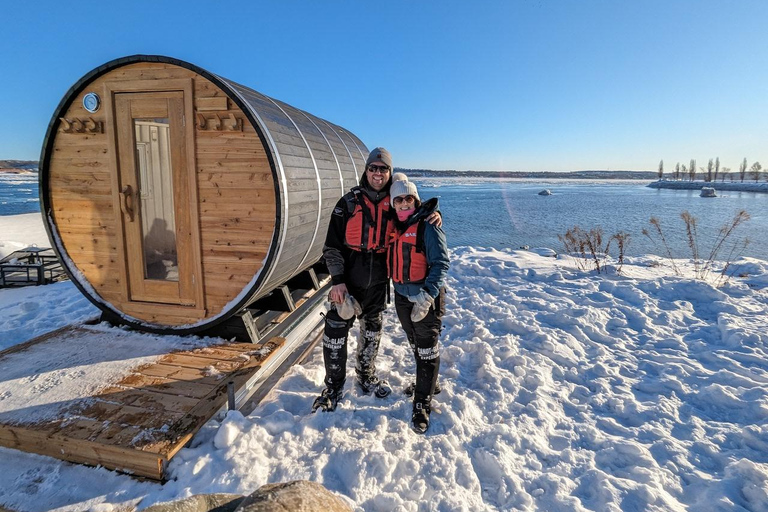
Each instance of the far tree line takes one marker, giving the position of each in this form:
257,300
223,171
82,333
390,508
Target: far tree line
713,171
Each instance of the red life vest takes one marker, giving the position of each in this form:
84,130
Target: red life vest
407,257
369,225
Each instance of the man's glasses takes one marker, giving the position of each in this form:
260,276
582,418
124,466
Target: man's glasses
403,199
381,169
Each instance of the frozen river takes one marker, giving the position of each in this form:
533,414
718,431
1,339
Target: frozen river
510,213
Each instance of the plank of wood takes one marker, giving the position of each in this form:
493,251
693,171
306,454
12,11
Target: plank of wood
166,314
92,150
240,229
233,204
214,212
252,181
258,241
196,375
226,271
167,386
79,207
61,446
205,361
129,415
101,228
147,399
76,140
70,183
96,242
228,289
211,104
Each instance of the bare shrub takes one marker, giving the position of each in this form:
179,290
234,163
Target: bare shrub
692,238
702,268
622,242
592,249
656,224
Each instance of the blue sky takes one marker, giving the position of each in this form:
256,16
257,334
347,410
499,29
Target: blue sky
496,84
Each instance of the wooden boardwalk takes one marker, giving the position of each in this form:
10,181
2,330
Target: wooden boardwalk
138,423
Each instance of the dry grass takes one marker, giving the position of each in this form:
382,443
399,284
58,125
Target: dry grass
592,249
702,268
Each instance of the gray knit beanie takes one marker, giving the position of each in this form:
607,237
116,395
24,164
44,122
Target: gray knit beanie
379,155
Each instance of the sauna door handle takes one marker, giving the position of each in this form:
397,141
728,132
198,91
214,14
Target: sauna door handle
125,195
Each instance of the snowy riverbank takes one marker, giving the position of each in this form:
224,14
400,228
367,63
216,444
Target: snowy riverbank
562,390
717,185
20,231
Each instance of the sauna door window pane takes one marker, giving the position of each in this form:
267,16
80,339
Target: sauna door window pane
158,224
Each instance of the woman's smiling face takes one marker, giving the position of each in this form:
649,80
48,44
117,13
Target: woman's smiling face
404,202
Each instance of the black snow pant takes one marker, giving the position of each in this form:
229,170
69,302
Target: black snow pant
423,337
373,301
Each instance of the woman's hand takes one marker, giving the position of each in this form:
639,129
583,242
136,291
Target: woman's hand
436,219
338,293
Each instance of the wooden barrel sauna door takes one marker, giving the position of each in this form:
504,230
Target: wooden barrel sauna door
155,180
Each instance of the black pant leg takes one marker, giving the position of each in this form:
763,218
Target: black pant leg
373,302
335,349
403,308
425,335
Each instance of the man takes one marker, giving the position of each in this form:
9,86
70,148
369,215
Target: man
355,252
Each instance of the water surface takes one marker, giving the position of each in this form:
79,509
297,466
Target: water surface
511,214
18,194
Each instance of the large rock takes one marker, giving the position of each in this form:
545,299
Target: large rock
201,503
296,496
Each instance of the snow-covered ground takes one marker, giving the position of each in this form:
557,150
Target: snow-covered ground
562,390
20,231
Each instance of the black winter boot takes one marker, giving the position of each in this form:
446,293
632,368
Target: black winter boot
380,388
327,400
412,388
420,418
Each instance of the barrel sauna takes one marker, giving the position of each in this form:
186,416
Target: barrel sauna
175,197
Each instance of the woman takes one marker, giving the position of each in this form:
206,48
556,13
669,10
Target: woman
417,263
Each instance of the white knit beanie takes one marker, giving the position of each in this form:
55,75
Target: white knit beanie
399,176
403,188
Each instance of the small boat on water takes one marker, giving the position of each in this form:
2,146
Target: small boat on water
708,192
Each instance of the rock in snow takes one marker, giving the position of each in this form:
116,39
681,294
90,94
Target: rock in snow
544,251
297,496
201,503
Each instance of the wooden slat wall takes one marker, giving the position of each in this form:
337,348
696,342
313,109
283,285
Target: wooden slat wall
235,191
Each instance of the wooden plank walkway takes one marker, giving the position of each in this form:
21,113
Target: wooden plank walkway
137,424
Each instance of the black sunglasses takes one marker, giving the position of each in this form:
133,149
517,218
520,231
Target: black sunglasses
378,168
399,199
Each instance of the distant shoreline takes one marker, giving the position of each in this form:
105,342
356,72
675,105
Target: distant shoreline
569,175
722,185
